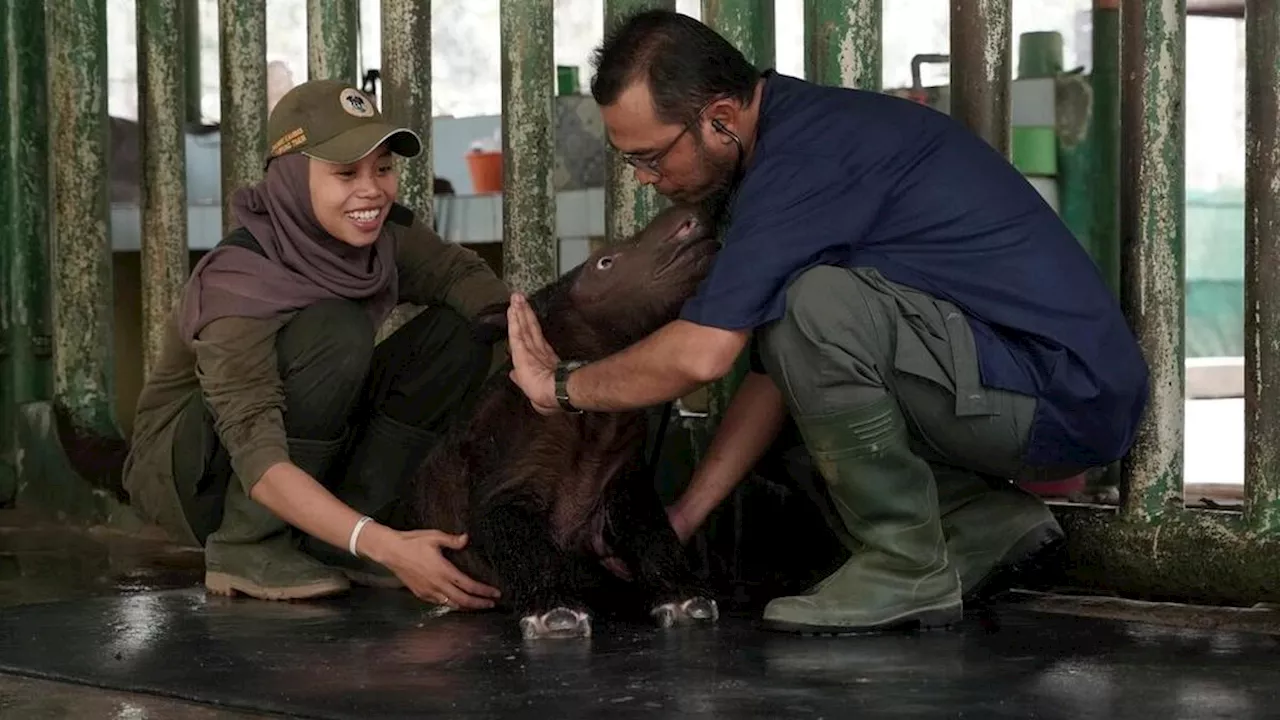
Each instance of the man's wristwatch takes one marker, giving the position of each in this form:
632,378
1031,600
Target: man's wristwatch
563,368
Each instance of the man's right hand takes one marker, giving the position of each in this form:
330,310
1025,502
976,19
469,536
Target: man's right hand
684,525
415,557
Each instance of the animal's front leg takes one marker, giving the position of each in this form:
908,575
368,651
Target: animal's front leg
539,580
642,536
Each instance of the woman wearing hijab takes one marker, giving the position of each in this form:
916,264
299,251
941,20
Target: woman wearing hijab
271,411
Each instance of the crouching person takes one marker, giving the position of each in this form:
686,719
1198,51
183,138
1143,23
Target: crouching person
271,411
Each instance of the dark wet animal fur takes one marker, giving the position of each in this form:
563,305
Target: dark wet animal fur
544,498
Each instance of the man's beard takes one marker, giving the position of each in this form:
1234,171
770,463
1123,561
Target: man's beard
718,194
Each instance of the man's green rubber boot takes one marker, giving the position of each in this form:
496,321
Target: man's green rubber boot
885,495
994,529
256,553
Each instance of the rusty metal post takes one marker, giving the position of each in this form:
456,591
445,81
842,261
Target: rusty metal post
1262,266
191,60
981,77
406,92
748,24
529,248
628,205
24,180
242,50
843,43
8,403
163,179
1152,130
83,380
1104,187
332,29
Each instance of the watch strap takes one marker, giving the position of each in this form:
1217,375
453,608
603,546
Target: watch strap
563,369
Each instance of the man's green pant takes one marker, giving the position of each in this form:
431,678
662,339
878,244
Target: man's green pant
883,383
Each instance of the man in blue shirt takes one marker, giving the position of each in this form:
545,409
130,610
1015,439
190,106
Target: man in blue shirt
933,328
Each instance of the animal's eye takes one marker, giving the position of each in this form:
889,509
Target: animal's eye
604,263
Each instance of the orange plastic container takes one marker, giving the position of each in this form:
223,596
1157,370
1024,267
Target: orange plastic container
486,170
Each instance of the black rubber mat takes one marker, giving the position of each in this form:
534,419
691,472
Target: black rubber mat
380,655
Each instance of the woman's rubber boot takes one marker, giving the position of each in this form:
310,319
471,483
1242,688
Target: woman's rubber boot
386,454
884,493
995,530
255,553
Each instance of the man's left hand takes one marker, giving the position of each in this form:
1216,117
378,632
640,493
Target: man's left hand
533,360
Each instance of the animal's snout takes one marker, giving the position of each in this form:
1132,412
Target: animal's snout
687,228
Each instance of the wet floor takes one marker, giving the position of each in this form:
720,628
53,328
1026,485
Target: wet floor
41,561
137,626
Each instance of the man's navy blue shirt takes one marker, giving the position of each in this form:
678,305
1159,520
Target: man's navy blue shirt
863,179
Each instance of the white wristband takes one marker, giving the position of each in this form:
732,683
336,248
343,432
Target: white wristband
355,534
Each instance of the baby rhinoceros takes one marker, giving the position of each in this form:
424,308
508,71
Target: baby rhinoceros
545,498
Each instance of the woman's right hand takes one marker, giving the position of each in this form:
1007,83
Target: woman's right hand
415,557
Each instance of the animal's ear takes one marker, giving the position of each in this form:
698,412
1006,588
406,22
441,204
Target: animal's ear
490,324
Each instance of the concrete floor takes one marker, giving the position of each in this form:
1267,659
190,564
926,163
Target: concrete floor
42,562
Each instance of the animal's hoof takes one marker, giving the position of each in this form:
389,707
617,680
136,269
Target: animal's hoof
697,610
558,623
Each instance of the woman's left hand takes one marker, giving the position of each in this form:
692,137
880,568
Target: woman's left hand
533,360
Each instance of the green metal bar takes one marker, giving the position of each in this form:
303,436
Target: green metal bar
81,268
27,112
1152,128
163,180
8,403
1196,556
843,43
406,91
1262,266
529,256
1104,186
191,60
333,27
628,205
981,77
748,24
242,50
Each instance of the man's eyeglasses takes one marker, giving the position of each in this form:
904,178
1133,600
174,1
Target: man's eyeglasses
650,164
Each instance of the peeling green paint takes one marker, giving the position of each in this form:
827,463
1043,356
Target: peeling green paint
1104,188
191,63
8,404
1198,556
843,43
406,91
333,27
1152,67
628,205
242,52
1262,267
26,110
163,180
529,251
81,267
981,68
747,24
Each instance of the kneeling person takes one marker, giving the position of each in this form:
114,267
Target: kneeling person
926,318
271,408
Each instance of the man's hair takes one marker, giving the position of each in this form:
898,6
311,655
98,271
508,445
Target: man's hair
685,63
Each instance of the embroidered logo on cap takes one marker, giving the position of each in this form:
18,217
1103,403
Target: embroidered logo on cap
355,103
292,139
